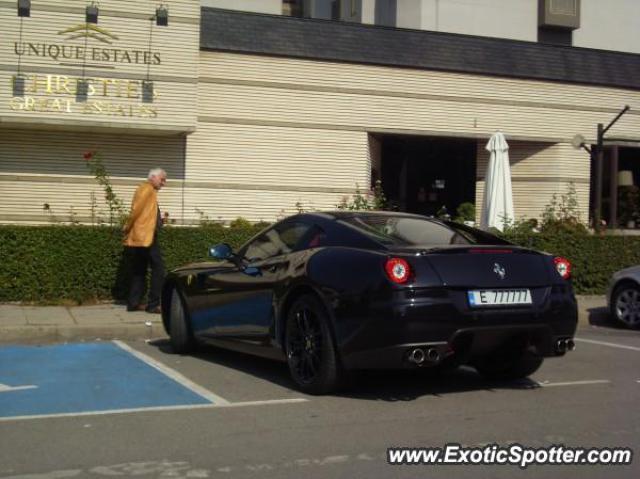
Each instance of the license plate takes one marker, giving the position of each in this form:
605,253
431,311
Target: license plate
498,297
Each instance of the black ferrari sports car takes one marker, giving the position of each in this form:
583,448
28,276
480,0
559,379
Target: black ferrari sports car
347,290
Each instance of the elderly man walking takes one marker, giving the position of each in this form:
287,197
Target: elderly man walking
141,238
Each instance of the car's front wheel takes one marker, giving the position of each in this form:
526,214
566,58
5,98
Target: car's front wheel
179,331
625,305
515,365
310,350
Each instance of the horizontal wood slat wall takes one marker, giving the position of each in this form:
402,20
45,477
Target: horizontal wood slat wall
53,62
38,167
538,170
367,97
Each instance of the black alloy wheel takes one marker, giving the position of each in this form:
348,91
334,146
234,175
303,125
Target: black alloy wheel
182,340
625,305
310,349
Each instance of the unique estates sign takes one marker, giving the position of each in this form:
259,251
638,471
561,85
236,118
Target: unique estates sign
65,53
77,93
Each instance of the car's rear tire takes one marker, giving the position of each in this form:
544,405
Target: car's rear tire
514,365
625,305
179,329
309,347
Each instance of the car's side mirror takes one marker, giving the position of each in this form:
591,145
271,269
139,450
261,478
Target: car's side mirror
221,251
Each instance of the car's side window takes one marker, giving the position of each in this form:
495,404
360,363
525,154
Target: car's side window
292,233
279,240
316,237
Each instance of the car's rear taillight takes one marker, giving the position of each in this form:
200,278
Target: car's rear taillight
563,267
398,270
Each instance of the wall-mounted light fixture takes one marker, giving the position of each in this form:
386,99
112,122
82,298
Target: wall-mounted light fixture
82,90
580,141
147,91
18,80
24,8
162,20
92,13
162,16
18,84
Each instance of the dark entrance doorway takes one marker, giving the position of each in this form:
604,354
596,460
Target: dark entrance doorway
426,175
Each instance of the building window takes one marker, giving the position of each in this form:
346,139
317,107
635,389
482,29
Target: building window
386,12
292,8
335,10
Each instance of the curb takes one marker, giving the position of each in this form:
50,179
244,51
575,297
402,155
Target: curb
104,332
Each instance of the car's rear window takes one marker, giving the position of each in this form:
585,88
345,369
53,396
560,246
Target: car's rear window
409,231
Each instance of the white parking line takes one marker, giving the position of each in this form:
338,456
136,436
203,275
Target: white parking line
573,383
268,401
4,388
604,343
175,375
156,408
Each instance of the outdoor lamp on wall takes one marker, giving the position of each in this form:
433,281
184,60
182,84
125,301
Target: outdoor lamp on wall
147,91
18,85
162,16
82,91
24,8
92,13
625,178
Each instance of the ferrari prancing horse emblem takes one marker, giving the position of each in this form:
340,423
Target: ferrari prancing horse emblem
499,270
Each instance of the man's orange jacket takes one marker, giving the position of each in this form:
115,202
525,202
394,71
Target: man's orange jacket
141,224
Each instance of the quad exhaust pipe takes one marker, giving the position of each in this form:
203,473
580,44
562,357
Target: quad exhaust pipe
419,356
564,345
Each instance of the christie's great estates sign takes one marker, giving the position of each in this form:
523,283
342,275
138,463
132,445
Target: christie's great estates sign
106,96
104,54
58,93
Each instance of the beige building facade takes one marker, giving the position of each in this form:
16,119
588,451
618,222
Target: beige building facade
260,135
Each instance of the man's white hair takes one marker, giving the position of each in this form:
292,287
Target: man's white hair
156,172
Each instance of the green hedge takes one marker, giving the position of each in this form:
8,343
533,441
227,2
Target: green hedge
593,258
54,264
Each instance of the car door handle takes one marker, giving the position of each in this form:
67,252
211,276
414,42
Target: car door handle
252,271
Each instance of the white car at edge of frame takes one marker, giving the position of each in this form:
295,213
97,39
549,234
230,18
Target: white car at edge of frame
623,296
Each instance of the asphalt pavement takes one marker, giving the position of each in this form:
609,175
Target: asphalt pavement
30,324
134,409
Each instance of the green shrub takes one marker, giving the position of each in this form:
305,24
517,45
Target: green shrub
240,222
374,200
53,264
56,264
465,212
594,258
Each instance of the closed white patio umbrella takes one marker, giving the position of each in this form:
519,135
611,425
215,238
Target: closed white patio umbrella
497,205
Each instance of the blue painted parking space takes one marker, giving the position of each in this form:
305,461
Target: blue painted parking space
80,378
